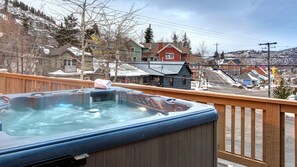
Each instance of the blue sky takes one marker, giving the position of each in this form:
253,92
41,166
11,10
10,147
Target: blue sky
234,24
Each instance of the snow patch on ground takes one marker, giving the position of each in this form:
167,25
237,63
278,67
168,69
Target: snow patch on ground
3,16
20,22
46,51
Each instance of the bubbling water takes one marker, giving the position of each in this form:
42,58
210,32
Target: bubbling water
65,118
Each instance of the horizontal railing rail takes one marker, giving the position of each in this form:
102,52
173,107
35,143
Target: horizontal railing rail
251,130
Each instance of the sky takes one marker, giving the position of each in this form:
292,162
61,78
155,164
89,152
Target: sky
233,24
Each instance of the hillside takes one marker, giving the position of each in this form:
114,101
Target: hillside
280,58
39,25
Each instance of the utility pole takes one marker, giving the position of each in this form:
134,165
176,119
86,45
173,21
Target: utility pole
268,44
216,55
217,46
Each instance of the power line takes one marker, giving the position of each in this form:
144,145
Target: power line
183,26
268,44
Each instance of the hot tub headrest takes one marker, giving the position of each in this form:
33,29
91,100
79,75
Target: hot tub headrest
4,102
39,101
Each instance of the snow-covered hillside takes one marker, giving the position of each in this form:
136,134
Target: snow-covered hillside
282,57
20,15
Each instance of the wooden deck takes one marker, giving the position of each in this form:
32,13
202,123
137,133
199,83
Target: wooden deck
251,130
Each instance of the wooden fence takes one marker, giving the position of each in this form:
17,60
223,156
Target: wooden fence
251,130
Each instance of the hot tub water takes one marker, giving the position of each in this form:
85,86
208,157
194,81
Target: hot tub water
66,118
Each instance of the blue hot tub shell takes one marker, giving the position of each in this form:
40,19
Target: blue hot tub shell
26,151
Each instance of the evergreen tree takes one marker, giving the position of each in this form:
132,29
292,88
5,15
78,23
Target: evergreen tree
189,44
216,55
186,41
89,32
26,25
148,34
68,33
174,38
16,3
282,91
96,29
22,6
222,56
32,10
6,5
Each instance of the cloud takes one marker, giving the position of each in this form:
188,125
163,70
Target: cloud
179,14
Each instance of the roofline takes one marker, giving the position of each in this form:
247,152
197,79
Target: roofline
167,46
137,43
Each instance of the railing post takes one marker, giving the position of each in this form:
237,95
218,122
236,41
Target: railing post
221,130
24,85
5,83
50,84
282,140
273,135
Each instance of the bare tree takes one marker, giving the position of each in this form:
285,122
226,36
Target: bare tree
118,26
114,25
202,49
12,43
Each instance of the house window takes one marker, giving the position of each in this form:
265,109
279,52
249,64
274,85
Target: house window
39,62
171,79
134,58
169,55
152,59
132,50
184,80
69,63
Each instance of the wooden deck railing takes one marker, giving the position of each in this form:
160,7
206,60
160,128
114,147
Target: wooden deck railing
251,130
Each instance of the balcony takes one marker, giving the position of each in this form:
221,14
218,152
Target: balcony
251,131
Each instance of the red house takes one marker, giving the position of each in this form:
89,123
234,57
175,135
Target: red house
230,66
171,53
259,70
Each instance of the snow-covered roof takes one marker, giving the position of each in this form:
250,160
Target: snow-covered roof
62,73
140,45
247,76
77,52
160,68
255,72
126,70
252,77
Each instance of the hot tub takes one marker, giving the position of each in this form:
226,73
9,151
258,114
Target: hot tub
115,127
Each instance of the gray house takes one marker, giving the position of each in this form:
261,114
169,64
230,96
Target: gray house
166,74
